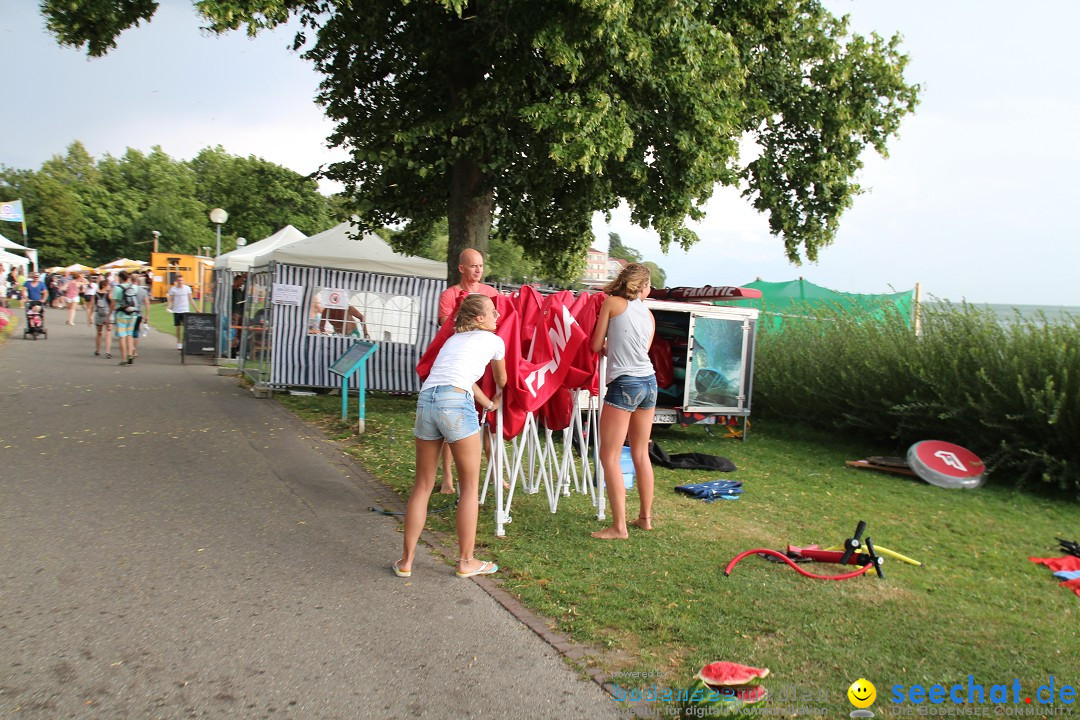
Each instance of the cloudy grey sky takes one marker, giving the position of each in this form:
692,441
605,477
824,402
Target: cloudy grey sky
975,200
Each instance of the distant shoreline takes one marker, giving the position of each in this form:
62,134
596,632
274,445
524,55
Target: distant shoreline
1007,312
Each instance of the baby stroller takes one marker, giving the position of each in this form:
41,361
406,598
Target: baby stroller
35,320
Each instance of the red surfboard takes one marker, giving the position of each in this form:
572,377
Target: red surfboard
946,465
707,292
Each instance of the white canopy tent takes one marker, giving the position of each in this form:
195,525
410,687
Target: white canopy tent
6,244
367,290
12,259
341,248
239,260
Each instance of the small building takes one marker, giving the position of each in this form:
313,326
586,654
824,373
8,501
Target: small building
596,267
615,266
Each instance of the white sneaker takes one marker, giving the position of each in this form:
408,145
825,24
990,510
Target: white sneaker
179,346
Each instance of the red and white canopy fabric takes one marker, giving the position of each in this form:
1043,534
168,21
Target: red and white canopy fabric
547,354
548,365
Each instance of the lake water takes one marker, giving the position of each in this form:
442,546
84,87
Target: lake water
1006,314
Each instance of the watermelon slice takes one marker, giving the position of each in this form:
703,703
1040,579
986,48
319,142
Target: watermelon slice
729,674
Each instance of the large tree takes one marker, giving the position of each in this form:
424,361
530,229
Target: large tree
534,114
261,197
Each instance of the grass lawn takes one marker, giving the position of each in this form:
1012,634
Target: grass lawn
660,602
161,319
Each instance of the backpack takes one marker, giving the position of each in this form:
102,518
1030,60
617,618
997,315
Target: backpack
130,304
101,304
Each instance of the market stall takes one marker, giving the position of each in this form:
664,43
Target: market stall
308,301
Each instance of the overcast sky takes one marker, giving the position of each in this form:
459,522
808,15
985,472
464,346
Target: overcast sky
976,200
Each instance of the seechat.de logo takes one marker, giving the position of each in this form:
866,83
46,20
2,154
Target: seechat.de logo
974,693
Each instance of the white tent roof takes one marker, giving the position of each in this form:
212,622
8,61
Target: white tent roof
239,260
6,244
12,259
334,248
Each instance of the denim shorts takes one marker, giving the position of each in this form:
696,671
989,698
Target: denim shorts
630,393
446,413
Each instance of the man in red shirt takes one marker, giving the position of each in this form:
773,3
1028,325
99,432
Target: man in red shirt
471,267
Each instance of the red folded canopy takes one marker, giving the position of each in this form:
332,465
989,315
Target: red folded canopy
547,354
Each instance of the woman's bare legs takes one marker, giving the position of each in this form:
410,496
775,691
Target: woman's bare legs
613,426
447,487
427,458
466,454
640,432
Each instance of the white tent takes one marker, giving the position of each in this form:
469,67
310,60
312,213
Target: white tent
239,260
12,259
6,244
336,248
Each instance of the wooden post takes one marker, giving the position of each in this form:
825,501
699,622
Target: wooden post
916,310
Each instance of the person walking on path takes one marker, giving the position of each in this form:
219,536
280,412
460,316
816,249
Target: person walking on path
34,289
446,415
126,309
624,331
72,291
471,269
142,322
89,291
179,304
103,318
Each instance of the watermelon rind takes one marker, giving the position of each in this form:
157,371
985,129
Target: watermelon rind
729,674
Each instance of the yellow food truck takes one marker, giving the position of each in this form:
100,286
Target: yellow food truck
197,271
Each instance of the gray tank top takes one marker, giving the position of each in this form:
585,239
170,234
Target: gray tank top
628,338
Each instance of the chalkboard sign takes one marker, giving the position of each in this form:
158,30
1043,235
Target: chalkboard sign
199,333
345,364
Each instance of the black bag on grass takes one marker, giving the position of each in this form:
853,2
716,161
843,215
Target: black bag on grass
688,461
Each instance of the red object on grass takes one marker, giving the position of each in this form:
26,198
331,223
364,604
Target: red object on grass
1073,585
1062,562
766,551
946,465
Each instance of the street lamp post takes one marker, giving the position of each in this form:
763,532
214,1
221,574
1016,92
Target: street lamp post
218,217
156,235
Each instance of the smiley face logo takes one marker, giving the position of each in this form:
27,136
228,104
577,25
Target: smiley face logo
862,693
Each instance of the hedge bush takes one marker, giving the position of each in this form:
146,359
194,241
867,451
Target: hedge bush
1009,392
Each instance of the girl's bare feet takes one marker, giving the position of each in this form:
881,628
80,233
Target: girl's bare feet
645,523
446,490
610,533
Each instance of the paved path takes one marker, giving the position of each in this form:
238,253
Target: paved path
172,547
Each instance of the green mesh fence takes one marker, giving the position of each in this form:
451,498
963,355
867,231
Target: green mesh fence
782,302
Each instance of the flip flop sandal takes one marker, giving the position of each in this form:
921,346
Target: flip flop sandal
401,573
487,568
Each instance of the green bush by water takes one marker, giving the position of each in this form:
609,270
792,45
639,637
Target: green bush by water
1010,393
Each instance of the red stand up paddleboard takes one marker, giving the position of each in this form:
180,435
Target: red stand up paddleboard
708,292
946,465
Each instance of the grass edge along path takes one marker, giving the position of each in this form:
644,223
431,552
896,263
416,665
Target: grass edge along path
660,606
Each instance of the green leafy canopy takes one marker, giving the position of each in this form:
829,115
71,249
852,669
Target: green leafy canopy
528,116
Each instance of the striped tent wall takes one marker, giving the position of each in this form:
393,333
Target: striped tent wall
223,280
300,359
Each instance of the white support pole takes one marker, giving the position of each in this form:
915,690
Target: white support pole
502,517
601,488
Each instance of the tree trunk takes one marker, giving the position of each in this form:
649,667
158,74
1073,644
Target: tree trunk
470,215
